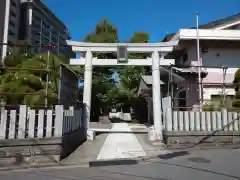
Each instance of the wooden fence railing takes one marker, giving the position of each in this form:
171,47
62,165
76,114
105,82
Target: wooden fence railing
24,122
195,121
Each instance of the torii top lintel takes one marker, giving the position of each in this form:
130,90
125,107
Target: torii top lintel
131,47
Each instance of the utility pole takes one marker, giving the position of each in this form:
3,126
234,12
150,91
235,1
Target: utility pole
199,65
224,85
58,42
47,78
40,38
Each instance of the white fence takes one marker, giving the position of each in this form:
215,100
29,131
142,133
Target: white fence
207,121
72,120
24,122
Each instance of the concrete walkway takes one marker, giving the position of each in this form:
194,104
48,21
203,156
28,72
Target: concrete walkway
121,145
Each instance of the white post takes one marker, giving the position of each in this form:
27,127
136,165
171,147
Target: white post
149,110
5,31
47,78
87,88
156,93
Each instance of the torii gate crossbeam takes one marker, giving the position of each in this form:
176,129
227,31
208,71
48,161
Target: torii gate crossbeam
158,50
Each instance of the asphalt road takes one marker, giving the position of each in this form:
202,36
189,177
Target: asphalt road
197,165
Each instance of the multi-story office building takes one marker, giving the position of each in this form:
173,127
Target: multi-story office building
9,24
31,20
40,26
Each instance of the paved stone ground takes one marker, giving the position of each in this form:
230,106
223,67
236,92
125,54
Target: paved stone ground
197,165
121,145
86,152
116,145
97,125
150,149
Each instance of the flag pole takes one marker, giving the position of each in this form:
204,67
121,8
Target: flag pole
199,64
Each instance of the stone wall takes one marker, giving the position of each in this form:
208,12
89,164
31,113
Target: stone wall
39,151
201,138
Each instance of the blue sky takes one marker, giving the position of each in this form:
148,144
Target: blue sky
158,17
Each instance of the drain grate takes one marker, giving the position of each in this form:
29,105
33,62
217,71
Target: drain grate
199,160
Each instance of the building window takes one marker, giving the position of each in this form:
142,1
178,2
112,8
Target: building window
13,3
13,14
11,23
185,57
11,33
36,25
37,18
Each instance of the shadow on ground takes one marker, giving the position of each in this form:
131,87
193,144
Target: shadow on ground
173,155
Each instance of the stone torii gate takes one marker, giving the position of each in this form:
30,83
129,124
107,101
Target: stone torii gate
158,51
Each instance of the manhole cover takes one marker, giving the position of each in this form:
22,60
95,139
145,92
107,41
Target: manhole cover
199,160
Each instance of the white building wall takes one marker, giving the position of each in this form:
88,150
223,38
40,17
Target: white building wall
213,58
207,92
216,57
219,57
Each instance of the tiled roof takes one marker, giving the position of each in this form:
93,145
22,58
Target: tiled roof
168,37
210,25
226,20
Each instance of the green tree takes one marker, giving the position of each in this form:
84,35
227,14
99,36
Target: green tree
236,81
25,76
130,75
105,32
105,92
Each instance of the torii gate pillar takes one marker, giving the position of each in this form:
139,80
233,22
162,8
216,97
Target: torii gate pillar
87,91
156,97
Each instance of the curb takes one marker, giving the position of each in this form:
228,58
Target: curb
43,166
190,147
120,162
97,163
173,152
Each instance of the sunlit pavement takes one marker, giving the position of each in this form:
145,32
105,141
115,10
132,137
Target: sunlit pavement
121,145
197,165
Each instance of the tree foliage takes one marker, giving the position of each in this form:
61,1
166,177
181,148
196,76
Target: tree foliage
236,81
130,75
23,78
106,93
105,32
